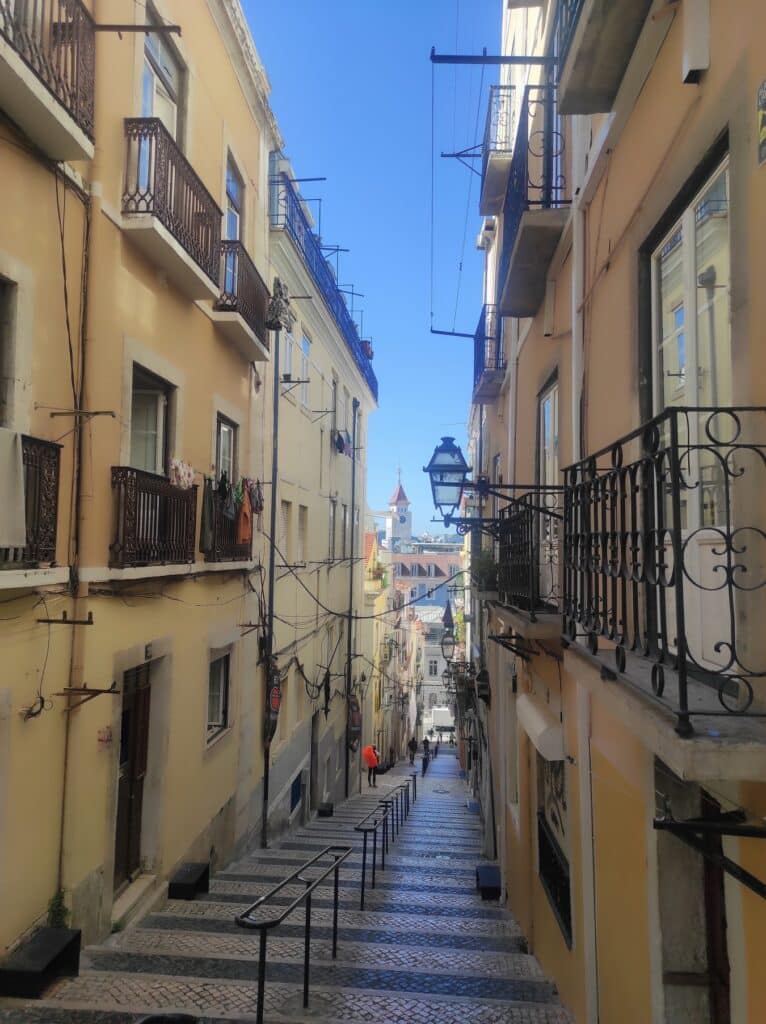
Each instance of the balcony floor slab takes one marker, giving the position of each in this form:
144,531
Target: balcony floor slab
722,746
235,329
536,241
154,240
37,111
545,626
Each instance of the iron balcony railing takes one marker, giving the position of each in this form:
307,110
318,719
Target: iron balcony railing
536,180
287,212
567,16
41,461
529,552
159,180
225,547
56,39
155,520
499,126
243,290
664,555
488,355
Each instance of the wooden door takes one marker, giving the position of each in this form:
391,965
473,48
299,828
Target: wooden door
134,734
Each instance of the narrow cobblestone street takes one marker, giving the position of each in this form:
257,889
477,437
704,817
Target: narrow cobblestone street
426,948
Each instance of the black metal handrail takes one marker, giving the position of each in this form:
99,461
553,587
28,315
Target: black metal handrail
41,461
226,547
663,555
375,819
536,179
498,127
159,180
488,352
155,521
567,15
287,212
246,919
243,290
57,40
529,551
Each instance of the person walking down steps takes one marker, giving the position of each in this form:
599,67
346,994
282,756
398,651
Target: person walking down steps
426,756
412,746
372,760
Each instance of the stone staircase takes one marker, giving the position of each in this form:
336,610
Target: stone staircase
424,949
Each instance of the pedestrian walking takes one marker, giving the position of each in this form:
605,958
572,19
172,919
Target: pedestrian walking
436,748
412,746
371,759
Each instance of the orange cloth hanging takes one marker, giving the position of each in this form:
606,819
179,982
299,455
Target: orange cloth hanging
245,519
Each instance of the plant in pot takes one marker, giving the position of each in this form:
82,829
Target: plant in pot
367,348
484,574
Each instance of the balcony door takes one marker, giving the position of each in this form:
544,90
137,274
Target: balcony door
692,368
548,475
160,96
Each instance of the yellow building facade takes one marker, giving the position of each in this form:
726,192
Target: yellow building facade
618,387
141,233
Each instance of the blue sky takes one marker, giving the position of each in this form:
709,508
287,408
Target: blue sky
351,89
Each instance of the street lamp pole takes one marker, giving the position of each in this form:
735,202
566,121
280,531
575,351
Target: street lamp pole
278,315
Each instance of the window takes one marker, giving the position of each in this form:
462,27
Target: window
284,530
553,863
218,697
225,448
433,667
333,510
162,81
422,590
334,403
344,532
305,371
234,193
548,454
303,519
287,366
431,569
344,414
149,422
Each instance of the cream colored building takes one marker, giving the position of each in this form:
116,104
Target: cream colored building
618,383
137,254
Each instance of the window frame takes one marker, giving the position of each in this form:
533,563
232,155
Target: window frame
224,701
305,371
144,382
224,421
333,516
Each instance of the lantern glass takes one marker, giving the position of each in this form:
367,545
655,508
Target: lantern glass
448,646
448,471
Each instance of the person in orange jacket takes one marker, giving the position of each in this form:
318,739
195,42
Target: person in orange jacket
372,760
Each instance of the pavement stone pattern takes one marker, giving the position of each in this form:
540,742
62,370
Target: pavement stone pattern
424,948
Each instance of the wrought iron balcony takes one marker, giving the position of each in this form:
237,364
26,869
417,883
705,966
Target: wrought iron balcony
56,40
499,132
529,552
664,546
225,546
243,294
488,356
161,183
536,208
41,499
594,42
155,521
287,213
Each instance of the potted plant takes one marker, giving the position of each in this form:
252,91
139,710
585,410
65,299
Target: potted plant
367,348
484,575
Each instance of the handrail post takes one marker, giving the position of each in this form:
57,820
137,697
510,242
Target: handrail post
261,977
335,915
374,851
414,777
307,953
364,868
683,722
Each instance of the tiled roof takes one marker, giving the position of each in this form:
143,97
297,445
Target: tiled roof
399,497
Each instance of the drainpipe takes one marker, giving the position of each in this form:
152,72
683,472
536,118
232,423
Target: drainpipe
350,615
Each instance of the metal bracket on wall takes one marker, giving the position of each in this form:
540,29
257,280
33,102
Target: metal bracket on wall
86,693
515,645
693,832
66,621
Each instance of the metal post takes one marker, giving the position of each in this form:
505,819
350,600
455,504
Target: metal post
683,724
374,852
364,868
414,778
335,916
349,648
261,977
307,953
